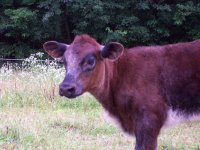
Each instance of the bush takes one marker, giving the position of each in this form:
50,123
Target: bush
28,23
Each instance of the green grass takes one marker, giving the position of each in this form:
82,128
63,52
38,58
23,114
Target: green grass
34,117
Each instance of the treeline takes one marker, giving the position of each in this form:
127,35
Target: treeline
26,24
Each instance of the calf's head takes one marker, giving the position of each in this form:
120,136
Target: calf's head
84,62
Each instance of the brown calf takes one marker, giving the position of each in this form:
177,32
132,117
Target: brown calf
143,88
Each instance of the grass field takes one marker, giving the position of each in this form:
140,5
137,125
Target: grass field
34,117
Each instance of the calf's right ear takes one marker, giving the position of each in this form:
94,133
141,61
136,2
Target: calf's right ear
55,49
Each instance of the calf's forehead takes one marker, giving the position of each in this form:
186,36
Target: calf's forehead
78,51
80,47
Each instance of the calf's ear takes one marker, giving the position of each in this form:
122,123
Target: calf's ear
112,50
55,49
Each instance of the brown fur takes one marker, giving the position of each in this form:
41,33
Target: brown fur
141,85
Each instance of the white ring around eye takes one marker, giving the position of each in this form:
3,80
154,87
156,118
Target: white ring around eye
101,47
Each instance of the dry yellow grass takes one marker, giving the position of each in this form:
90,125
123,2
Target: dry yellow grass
34,117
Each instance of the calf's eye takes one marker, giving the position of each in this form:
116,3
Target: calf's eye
89,63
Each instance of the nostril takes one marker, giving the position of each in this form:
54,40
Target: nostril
71,90
67,90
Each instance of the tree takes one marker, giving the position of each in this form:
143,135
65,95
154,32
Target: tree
26,24
137,22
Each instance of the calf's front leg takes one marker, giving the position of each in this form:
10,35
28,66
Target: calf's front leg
147,129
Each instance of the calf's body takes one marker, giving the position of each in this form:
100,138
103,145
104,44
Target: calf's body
143,88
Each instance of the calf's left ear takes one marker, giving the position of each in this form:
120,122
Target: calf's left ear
112,50
55,49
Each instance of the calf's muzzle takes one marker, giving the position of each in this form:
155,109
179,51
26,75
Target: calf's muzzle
68,90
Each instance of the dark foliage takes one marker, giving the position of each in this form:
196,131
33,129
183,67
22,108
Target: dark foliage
26,24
